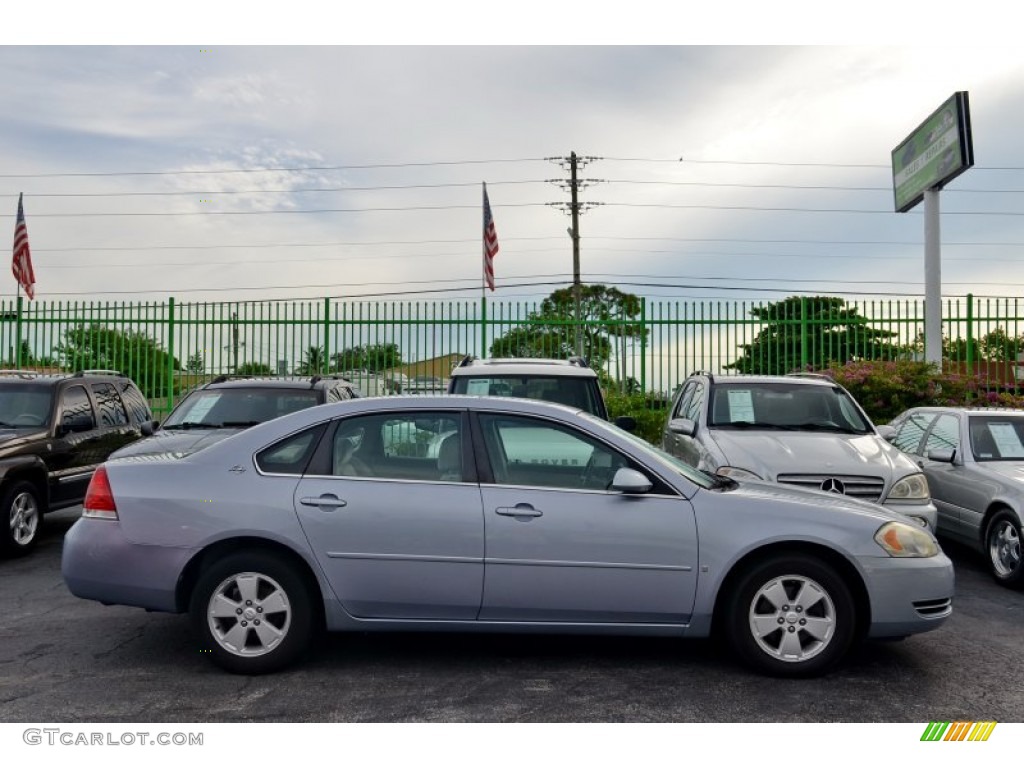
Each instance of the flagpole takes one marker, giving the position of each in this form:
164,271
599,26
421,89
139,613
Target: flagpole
483,273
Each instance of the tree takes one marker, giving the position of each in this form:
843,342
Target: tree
815,329
195,363
367,357
254,369
608,323
312,362
130,352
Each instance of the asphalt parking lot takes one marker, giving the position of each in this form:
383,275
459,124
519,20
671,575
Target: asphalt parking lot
68,660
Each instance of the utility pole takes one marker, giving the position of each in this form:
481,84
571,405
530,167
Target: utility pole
573,163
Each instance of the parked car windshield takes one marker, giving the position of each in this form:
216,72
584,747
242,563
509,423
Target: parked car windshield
997,437
237,407
786,406
574,391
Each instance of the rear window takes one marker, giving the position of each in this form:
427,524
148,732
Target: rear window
238,407
136,403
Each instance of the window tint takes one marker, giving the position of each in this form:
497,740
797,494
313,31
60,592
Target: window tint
290,455
908,437
76,409
786,405
238,406
111,412
575,391
684,400
945,434
534,452
423,445
136,403
693,406
25,405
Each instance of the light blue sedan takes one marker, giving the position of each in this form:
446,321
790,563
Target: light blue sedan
457,513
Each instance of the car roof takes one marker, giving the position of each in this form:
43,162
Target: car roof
51,379
518,366
799,379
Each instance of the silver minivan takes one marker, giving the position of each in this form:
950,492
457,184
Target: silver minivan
803,430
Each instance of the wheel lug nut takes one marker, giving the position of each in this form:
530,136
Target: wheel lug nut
238,611
257,622
785,607
781,620
799,609
791,629
803,622
259,609
248,602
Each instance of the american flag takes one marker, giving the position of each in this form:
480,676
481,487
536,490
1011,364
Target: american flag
21,265
490,242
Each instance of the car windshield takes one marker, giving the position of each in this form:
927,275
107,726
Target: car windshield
25,405
666,461
574,391
997,437
787,406
237,407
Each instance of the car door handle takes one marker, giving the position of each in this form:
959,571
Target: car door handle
326,500
519,510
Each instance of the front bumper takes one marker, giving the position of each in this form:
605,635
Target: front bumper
100,563
908,595
919,513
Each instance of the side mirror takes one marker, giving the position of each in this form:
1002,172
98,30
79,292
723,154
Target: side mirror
944,455
148,427
886,432
685,427
627,423
629,480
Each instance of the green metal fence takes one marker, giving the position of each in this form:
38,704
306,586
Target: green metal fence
169,346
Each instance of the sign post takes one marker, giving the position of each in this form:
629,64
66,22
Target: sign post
938,150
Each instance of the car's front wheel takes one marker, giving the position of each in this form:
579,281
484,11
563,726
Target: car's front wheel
791,616
1002,547
253,612
23,518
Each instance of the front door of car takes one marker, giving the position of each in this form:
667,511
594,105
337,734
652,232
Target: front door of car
563,547
394,516
949,485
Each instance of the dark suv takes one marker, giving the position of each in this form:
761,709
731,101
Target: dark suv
54,431
227,405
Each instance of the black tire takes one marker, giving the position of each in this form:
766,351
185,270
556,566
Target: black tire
21,513
253,612
1002,549
779,631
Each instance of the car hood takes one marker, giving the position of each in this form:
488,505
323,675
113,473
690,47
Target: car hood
12,438
1010,470
176,441
771,453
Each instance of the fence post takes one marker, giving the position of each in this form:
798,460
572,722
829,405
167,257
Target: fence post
170,353
803,334
643,344
17,334
483,325
327,336
970,334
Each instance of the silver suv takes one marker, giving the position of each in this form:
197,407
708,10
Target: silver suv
800,430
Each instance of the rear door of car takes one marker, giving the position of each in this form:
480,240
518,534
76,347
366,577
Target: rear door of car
392,511
562,547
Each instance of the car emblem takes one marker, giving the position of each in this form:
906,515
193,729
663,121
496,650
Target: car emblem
833,485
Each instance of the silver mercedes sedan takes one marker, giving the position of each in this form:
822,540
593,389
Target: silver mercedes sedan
974,461
462,513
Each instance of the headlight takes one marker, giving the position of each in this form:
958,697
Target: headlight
910,488
737,474
902,540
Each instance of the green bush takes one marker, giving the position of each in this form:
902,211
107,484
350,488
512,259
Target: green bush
649,410
887,388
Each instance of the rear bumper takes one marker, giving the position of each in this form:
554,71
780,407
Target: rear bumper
99,563
908,595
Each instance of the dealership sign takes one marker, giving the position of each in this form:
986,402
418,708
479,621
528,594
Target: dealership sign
938,150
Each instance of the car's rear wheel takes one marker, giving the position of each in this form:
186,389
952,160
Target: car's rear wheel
791,616
1002,547
253,612
23,518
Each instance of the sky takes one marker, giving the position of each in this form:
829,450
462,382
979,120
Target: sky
223,171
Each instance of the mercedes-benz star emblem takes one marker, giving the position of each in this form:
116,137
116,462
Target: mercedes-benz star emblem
833,485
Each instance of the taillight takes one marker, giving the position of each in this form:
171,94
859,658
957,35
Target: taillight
99,499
